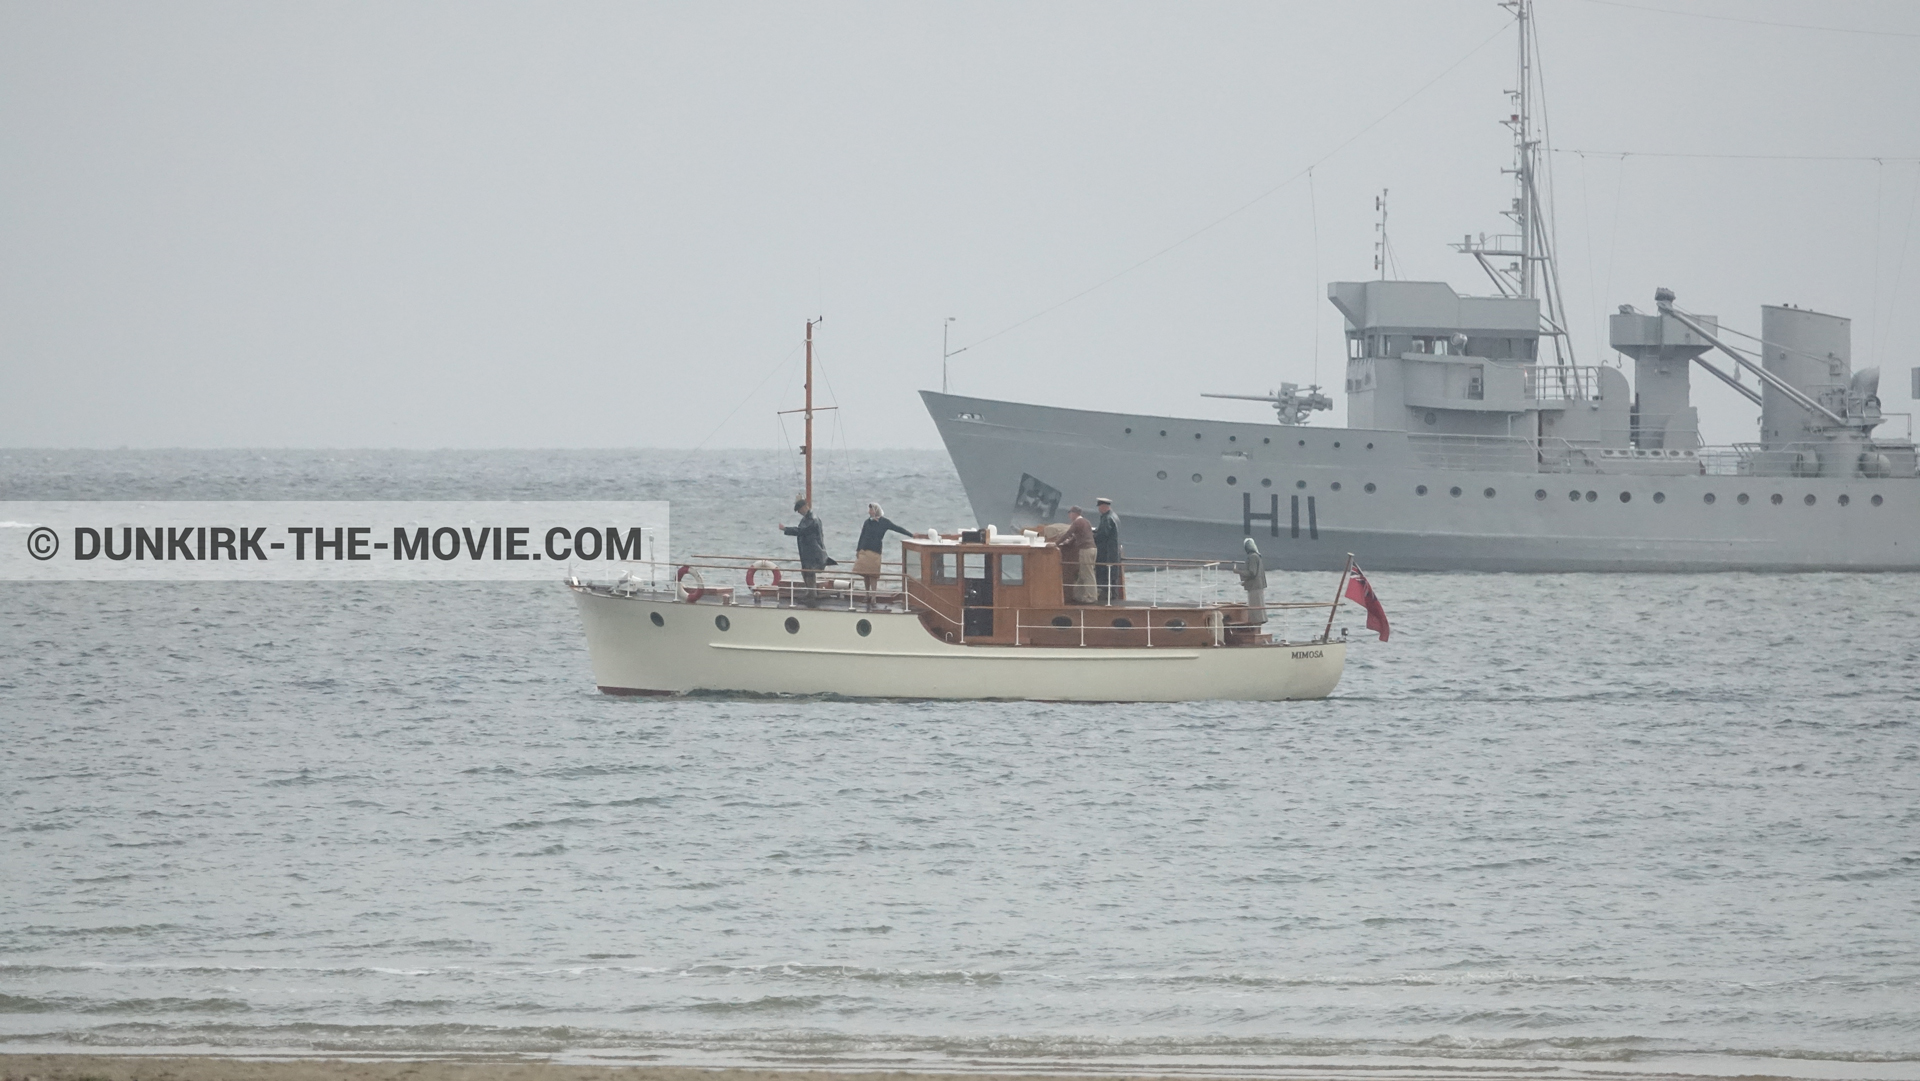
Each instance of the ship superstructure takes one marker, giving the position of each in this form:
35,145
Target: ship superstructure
1476,442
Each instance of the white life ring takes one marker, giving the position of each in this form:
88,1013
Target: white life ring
697,589
763,565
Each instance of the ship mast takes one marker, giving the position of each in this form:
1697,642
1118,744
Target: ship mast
1531,271
806,446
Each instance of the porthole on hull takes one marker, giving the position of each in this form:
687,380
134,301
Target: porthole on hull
793,625
657,621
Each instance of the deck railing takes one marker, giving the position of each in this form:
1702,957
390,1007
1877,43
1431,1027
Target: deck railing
1163,591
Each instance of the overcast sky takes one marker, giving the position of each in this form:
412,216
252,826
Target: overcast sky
563,225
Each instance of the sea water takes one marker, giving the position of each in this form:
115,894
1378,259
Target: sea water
1566,823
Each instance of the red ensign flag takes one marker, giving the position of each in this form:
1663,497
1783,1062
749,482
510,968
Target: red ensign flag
1360,591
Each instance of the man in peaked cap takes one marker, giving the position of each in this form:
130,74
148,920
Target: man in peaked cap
1106,552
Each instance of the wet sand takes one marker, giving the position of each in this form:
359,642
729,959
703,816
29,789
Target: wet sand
64,1067
82,1067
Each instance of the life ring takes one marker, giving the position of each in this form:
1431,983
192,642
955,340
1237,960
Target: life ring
763,565
697,589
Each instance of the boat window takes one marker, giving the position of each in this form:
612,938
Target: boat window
1876,501
943,567
1013,570
974,565
1845,499
863,628
913,563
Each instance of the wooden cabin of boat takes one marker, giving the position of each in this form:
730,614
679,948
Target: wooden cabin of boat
978,588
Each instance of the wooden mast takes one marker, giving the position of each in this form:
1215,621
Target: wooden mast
806,448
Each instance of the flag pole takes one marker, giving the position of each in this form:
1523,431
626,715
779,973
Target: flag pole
1327,635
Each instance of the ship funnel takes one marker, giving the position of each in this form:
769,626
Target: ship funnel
1813,353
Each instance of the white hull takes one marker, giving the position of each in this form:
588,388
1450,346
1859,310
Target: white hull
898,659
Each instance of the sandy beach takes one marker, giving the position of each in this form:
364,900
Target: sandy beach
63,1067
214,1068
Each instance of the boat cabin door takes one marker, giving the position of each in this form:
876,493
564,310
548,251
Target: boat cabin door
976,595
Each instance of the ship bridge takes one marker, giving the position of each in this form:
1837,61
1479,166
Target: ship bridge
1421,358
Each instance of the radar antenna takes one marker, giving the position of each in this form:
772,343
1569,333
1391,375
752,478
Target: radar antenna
1521,263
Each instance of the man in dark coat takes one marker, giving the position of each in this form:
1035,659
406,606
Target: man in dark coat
1106,553
813,549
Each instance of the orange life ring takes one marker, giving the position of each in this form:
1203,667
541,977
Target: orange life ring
764,565
699,587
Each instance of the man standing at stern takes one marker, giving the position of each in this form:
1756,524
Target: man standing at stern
1106,553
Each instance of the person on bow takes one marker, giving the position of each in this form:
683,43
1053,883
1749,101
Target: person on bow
1106,553
866,556
813,549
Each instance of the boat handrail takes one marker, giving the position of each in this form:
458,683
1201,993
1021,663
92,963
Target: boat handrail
1219,628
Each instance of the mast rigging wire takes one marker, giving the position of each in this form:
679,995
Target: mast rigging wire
1756,22
1249,204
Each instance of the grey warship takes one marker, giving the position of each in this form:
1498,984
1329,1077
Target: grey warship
1477,444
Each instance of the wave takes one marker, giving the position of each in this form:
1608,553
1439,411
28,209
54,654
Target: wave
793,1045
